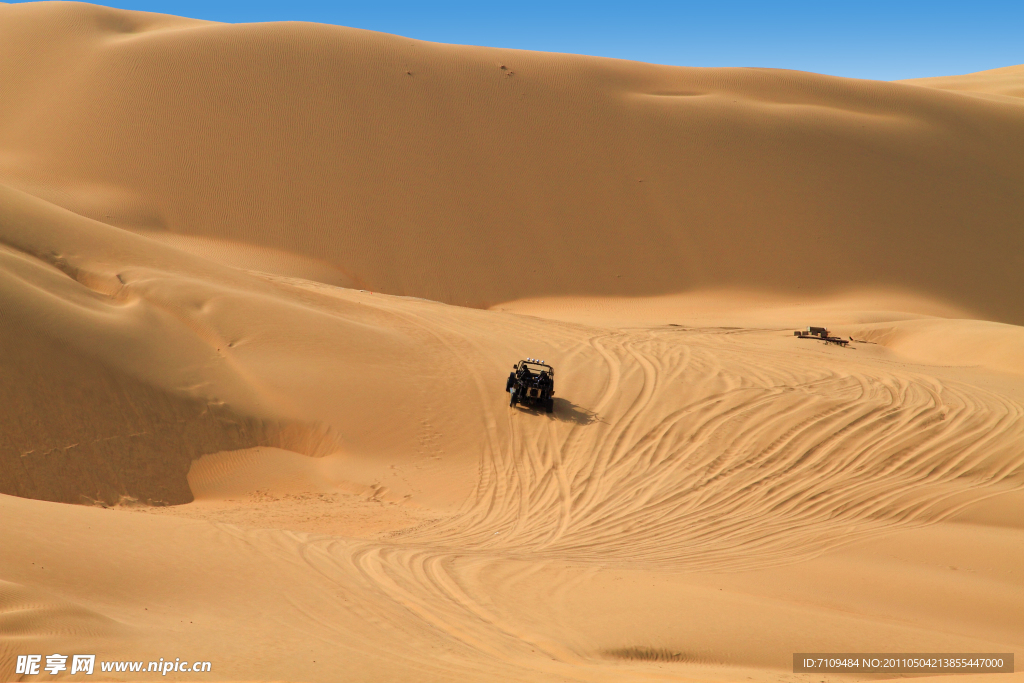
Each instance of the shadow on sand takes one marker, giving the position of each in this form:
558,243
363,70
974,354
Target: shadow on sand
567,411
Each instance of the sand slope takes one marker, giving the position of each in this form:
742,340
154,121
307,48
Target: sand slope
208,239
421,169
705,501
1007,81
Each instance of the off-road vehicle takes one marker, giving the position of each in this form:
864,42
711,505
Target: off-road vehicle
532,383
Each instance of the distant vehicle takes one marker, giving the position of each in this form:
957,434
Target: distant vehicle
822,334
532,383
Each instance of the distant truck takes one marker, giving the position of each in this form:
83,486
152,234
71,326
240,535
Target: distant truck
532,383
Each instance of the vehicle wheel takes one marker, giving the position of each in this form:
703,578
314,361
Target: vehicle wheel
549,405
512,400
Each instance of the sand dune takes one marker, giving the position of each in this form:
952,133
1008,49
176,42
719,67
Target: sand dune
697,488
1008,82
260,287
420,169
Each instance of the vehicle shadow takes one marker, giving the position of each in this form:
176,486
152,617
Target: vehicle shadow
567,411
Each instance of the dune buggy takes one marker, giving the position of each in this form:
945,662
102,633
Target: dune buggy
532,383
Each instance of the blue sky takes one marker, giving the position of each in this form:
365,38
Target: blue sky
868,39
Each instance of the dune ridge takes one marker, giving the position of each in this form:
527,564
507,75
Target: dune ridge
1007,81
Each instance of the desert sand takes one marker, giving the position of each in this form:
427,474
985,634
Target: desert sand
261,286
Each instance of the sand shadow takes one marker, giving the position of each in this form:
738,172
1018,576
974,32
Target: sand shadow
565,411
